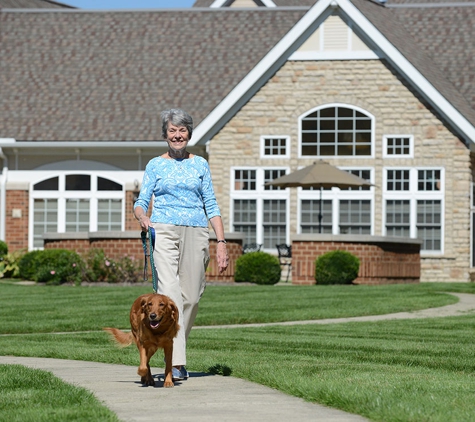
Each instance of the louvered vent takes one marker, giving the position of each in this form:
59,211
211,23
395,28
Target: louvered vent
335,34
243,3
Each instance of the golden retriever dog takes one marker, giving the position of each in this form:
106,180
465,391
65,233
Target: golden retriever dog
154,323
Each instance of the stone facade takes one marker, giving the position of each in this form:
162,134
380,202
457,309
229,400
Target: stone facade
372,85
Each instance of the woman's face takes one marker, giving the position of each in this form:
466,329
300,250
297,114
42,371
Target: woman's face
177,137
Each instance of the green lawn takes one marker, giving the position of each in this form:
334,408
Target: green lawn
412,370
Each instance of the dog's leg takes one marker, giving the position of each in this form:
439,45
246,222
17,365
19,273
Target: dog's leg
168,349
144,368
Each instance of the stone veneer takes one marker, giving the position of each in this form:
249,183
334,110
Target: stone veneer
299,86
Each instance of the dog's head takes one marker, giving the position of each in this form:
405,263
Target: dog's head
158,311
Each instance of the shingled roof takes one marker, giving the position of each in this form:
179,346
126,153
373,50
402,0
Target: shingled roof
446,34
438,41
430,33
33,4
83,75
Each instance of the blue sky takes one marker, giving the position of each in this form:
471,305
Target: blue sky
128,4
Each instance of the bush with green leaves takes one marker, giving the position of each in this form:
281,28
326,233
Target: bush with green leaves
9,264
3,249
52,266
100,268
27,265
257,267
336,267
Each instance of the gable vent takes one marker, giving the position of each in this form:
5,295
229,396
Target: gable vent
335,34
334,39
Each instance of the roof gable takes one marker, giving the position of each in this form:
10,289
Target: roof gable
371,20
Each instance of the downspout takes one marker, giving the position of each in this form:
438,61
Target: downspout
3,195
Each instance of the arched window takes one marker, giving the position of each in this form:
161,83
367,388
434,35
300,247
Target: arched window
336,131
75,202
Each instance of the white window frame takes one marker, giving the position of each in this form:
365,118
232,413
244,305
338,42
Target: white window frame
385,146
336,195
330,105
273,157
259,195
93,195
413,195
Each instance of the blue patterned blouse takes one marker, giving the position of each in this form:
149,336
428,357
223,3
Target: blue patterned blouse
182,189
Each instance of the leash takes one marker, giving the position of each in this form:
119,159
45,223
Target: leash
151,238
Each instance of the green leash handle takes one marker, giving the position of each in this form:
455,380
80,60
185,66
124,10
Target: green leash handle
151,238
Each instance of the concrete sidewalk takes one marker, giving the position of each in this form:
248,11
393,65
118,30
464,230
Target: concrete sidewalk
201,398
205,397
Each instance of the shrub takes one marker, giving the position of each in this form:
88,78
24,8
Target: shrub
3,249
53,266
336,267
27,265
258,268
100,268
9,264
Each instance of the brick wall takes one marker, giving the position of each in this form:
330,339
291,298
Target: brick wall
117,245
382,261
16,227
234,251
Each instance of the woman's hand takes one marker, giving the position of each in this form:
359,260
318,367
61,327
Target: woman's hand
145,223
222,257
142,218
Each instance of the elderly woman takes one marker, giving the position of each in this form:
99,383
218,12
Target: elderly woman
184,201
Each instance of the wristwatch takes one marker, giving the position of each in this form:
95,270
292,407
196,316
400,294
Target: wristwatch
221,241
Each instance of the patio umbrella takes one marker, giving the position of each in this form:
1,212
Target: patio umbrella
320,175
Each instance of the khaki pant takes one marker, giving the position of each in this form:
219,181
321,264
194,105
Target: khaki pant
181,257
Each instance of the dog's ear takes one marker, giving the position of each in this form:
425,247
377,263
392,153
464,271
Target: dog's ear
174,310
143,303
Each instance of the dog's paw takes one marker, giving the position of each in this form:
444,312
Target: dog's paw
148,381
168,384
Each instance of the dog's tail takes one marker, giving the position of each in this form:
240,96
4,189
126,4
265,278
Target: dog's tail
121,338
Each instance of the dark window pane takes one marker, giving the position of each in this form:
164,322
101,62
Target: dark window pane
327,125
328,138
363,124
309,124
363,150
309,138
106,184
345,150
49,184
345,125
78,182
327,150
345,137
345,112
327,112
309,150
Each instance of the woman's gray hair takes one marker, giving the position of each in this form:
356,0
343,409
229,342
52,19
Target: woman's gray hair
177,117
